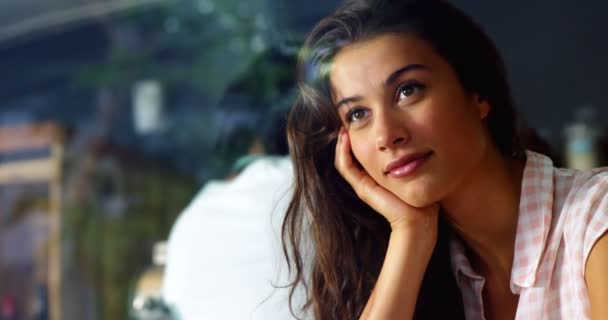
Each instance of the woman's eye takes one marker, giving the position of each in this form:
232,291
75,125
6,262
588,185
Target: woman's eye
409,90
355,115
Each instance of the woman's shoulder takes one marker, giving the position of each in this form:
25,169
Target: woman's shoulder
589,185
586,209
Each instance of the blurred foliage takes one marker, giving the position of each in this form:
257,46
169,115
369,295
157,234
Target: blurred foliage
204,44
111,225
206,49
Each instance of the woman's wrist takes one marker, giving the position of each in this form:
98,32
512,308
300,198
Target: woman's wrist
419,243
406,260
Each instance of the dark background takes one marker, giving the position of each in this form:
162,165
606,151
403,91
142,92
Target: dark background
555,51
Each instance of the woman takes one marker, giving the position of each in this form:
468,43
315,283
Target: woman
415,188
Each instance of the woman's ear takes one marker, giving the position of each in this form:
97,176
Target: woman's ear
483,107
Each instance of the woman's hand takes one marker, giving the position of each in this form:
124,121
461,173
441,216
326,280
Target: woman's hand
399,214
411,244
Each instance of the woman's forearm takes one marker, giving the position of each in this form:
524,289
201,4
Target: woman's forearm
396,291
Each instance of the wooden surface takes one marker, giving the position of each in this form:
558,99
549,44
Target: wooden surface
28,171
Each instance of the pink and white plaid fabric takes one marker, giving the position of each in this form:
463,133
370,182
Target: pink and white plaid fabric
562,214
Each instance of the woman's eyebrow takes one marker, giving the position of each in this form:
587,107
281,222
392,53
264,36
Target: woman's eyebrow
388,82
409,68
348,100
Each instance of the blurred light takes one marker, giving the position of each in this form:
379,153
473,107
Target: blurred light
139,302
159,256
258,44
148,106
205,6
582,136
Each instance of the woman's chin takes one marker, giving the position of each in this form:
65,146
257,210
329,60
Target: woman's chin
421,192
418,199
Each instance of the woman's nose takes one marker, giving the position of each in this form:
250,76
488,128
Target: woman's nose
390,132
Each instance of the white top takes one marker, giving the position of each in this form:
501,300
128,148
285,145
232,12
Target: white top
224,252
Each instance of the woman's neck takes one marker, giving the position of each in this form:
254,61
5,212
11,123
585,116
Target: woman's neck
483,212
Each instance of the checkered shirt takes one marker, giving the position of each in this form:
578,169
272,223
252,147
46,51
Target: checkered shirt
562,213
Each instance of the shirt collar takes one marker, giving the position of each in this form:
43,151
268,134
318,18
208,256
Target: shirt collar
533,224
461,267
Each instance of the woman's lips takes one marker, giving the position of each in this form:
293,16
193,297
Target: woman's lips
408,167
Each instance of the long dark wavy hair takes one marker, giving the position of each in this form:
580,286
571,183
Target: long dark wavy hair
348,239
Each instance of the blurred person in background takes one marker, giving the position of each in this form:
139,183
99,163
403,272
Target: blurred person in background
224,258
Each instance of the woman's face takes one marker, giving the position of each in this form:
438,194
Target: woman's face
411,124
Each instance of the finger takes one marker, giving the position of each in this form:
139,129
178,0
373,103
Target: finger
344,160
359,180
339,158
